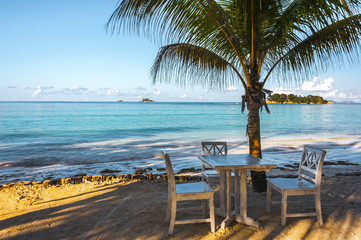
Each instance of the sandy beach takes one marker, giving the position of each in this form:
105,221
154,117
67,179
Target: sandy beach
91,104
136,210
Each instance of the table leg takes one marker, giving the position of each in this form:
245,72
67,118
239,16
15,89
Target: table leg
221,211
222,191
236,191
243,195
226,222
242,217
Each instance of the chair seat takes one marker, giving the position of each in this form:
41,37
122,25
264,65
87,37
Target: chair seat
197,187
291,184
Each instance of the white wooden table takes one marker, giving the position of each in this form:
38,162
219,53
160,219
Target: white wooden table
224,164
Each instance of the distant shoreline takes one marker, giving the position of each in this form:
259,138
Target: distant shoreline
296,99
300,103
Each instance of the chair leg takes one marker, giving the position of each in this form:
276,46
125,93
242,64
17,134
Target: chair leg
284,209
173,212
318,208
167,216
269,197
211,214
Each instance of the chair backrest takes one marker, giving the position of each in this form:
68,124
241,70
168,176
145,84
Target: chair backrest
170,175
310,167
214,148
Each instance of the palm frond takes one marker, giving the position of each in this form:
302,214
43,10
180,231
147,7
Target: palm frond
185,64
338,41
170,21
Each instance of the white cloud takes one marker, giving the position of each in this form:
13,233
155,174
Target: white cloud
333,94
318,85
156,92
37,92
232,88
343,95
78,88
284,90
323,88
207,90
314,87
141,88
12,87
113,92
347,95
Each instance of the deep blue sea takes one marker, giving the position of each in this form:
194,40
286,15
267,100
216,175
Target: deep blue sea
45,140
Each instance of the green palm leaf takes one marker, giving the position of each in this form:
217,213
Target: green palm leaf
186,64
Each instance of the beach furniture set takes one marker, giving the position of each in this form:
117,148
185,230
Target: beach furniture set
224,166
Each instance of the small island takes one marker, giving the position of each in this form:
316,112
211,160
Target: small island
120,101
146,100
294,99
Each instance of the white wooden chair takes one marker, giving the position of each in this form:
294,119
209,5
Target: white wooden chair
215,148
307,183
185,192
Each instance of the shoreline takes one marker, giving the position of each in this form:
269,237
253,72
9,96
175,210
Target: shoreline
282,151
184,175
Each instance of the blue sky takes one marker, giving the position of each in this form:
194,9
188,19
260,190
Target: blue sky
58,50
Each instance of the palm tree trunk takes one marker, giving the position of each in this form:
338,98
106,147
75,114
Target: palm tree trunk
259,182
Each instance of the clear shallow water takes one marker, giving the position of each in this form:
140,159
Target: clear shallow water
59,139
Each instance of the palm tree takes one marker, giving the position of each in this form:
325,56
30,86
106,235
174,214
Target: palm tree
218,43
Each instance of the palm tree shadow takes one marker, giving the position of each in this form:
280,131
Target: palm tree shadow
135,210
77,219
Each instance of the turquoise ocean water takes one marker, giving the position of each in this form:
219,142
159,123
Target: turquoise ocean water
41,140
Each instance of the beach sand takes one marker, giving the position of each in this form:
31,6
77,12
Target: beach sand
136,210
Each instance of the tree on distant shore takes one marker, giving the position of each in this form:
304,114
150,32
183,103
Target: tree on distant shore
146,100
219,43
284,98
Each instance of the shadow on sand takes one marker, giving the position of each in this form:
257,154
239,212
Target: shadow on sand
136,210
